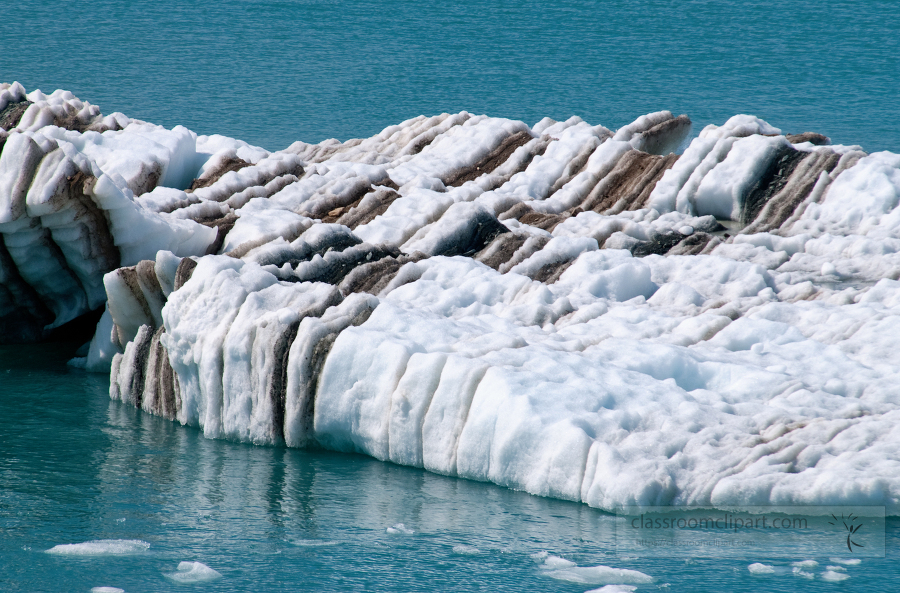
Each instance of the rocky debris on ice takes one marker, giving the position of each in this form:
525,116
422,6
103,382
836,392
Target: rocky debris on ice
561,309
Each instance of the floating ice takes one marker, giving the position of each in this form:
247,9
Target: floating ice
760,568
107,590
193,572
614,589
560,309
834,577
554,562
400,529
465,550
599,575
102,547
847,561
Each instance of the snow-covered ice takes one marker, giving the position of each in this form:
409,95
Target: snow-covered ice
562,309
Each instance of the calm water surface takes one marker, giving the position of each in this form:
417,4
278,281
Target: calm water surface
77,467
275,71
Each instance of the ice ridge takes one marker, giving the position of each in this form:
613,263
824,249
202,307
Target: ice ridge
562,309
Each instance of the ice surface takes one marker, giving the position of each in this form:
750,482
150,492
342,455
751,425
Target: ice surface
189,573
759,568
834,577
102,547
561,309
598,575
613,589
107,590
400,529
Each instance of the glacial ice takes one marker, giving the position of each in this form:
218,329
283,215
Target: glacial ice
189,573
594,575
760,568
101,547
562,309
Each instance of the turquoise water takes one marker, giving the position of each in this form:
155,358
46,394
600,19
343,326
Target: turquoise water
275,71
78,467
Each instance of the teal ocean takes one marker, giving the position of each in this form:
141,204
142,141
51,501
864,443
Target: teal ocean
76,467
276,71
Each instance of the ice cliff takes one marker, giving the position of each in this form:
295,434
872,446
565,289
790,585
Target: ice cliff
563,309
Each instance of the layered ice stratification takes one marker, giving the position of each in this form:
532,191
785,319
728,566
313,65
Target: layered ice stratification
564,309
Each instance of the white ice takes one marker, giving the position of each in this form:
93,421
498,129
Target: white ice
189,573
598,575
614,589
102,547
760,568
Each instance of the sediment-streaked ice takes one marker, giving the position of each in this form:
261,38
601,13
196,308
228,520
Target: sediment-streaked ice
562,309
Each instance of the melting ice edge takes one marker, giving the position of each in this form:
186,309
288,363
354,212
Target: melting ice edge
561,309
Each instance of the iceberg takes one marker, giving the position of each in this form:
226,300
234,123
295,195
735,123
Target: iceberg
562,309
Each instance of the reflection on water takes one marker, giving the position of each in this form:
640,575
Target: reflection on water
77,467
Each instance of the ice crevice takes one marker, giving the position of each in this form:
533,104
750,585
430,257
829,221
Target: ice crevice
561,308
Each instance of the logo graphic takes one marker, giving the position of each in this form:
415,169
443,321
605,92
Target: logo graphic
852,528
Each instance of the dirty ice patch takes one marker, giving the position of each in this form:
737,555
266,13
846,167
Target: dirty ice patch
193,572
102,547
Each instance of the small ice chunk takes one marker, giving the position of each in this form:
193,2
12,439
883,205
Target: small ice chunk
555,562
807,564
466,550
686,230
107,590
834,577
193,572
846,561
802,573
760,568
599,575
836,568
102,547
400,529
613,589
